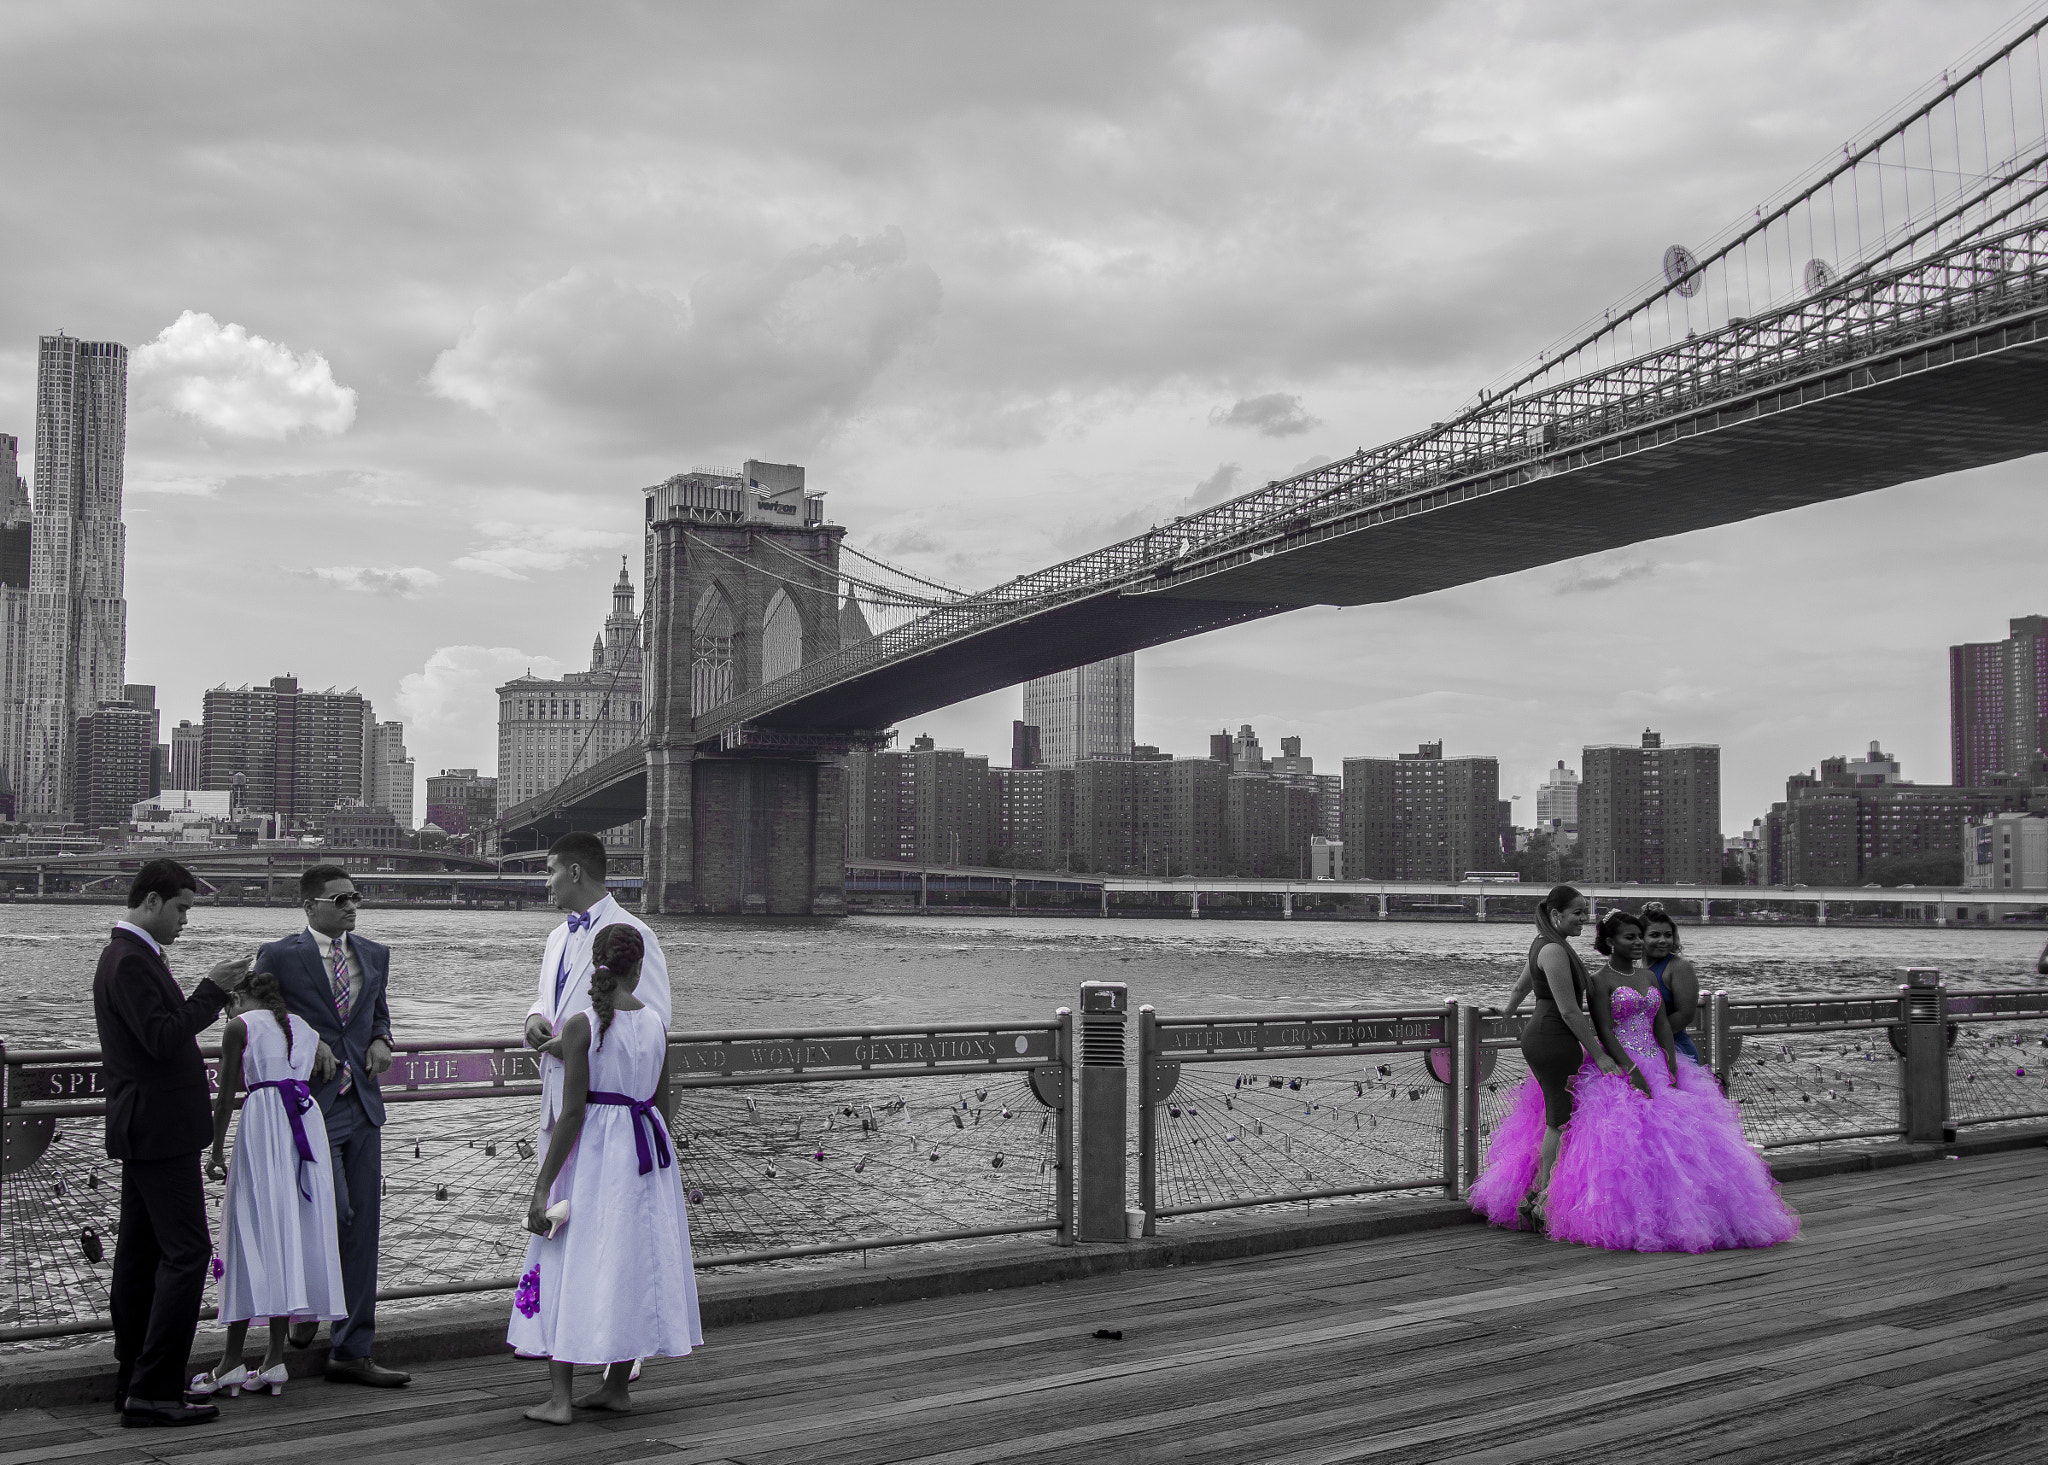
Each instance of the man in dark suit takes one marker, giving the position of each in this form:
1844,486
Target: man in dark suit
336,981
159,1119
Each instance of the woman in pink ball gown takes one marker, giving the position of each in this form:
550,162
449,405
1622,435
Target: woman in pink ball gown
1654,1157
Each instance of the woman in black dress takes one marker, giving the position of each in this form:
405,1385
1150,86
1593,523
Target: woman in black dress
1560,1035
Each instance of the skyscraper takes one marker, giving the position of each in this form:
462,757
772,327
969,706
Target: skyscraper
1557,804
1089,712
392,773
185,746
1998,704
78,616
15,534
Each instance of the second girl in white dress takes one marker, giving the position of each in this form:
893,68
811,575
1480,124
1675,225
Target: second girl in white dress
613,1283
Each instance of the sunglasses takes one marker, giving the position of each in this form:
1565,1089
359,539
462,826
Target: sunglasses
348,898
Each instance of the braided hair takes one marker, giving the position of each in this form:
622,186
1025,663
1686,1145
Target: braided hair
261,989
616,952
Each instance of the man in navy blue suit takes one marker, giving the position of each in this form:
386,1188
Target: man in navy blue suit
336,981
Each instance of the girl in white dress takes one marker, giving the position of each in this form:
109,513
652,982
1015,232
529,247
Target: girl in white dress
278,1255
608,1278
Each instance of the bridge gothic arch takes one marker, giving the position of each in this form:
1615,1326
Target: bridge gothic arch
782,637
712,630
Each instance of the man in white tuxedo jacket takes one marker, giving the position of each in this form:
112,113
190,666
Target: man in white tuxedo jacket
576,871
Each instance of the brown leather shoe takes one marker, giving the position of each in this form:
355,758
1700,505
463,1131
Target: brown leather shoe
363,1371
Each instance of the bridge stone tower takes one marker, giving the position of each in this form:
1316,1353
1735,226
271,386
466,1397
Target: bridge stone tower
742,588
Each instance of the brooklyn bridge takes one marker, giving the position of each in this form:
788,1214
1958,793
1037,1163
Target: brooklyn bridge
1883,319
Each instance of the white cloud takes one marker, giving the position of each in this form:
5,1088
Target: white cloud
1276,414
522,550
405,583
171,485
754,350
239,384
451,700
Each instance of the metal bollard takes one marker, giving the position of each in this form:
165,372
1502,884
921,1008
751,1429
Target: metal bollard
1469,1076
1923,1086
1099,1211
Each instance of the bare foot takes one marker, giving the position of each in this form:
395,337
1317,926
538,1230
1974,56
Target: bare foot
551,1412
616,1400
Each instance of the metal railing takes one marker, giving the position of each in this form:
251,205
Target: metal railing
792,1144
1314,1106
797,1144
1241,1111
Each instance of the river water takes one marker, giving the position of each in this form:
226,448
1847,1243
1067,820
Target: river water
473,973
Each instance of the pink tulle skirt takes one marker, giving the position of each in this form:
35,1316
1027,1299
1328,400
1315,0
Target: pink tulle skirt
1667,1173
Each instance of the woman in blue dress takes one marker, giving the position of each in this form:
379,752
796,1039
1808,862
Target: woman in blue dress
1675,979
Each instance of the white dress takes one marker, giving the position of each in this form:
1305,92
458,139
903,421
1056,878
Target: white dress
277,1233
616,1282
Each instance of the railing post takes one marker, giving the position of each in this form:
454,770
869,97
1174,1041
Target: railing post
1104,1087
1063,1141
1723,1051
1468,1090
1148,1118
1452,1106
1923,1087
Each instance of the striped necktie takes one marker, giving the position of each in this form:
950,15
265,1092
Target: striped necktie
342,1003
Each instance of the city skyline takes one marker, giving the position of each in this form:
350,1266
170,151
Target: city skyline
432,508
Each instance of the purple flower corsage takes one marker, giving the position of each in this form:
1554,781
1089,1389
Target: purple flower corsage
218,1268
527,1298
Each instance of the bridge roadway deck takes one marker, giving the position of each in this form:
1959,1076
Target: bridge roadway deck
1908,1323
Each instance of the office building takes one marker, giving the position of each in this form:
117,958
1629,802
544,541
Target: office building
551,728
1025,748
1420,816
16,532
1998,704
393,773
1839,825
186,742
1651,814
1325,858
1557,805
1089,712
461,802
78,617
356,826
292,753
113,755
2006,852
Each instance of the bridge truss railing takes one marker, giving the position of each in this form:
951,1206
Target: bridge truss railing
791,1144
1530,434
1264,1109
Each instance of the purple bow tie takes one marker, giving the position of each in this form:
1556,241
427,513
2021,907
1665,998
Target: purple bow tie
580,921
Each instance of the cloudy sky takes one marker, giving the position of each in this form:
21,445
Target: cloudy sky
421,296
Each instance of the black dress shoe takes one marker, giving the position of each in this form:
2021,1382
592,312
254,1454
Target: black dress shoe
363,1371
152,1414
302,1334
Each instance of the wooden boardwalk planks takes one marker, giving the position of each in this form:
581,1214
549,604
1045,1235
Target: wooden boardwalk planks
1908,1323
